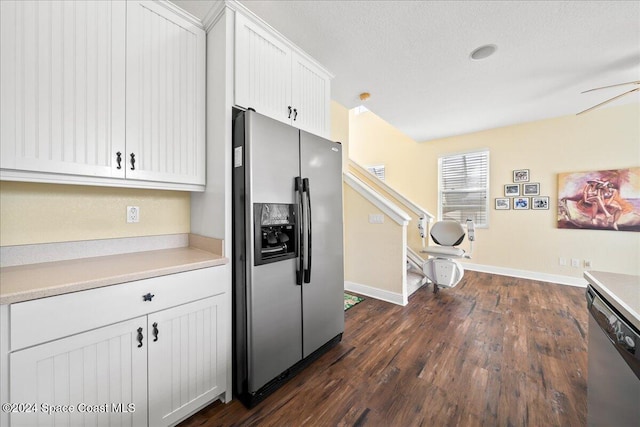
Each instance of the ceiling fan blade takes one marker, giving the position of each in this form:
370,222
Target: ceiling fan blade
606,87
608,101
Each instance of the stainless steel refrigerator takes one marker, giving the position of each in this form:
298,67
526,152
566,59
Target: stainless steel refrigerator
287,252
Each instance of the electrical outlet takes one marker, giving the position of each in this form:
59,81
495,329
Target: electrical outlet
133,214
587,263
562,261
575,262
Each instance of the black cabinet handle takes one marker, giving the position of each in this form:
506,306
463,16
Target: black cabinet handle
295,114
148,297
119,159
289,107
140,337
133,161
155,331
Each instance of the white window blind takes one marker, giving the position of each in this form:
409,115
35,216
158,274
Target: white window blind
463,185
377,170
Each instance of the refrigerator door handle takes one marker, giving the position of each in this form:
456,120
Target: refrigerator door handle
300,230
306,189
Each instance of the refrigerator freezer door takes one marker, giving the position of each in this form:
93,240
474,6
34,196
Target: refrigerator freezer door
322,298
274,332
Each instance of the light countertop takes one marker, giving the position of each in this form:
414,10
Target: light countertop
622,291
33,281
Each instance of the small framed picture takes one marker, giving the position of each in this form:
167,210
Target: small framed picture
502,203
521,175
511,190
520,203
540,202
532,189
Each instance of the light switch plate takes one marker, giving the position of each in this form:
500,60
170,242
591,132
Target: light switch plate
376,219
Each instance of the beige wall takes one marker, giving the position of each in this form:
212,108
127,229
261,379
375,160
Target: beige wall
524,240
377,142
413,236
44,213
373,252
340,130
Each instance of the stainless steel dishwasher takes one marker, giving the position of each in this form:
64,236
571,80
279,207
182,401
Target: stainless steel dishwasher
613,393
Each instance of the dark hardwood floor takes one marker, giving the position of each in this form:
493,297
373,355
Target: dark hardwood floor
494,351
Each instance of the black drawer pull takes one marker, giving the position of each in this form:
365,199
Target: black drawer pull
147,297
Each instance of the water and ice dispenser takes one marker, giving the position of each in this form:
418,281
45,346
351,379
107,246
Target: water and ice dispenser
275,232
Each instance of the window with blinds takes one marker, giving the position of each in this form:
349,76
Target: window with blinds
377,170
463,187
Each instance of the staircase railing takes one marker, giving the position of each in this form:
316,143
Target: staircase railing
382,203
403,211
424,217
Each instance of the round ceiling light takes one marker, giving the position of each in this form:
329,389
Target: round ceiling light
483,52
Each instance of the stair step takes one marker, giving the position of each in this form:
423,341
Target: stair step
413,278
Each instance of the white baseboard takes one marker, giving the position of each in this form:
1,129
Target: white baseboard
376,293
525,274
397,298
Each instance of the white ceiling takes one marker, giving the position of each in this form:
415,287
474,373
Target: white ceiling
413,57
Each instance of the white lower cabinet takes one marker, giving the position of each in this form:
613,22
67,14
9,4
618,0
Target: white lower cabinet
186,359
91,378
156,368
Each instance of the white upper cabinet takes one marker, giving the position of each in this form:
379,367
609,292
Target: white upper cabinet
311,96
62,86
87,84
278,81
263,71
165,95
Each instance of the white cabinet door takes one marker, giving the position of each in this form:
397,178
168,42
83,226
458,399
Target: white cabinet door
277,81
105,370
62,83
262,71
165,96
187,362
310,95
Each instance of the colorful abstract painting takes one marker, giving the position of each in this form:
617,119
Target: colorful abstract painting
601,200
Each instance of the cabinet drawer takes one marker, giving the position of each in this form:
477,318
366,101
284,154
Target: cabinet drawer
46,319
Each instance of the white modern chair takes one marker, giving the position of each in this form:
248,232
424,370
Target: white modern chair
441,268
